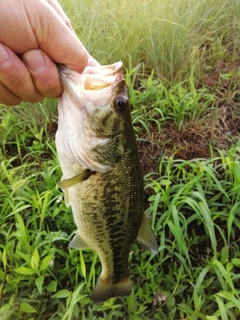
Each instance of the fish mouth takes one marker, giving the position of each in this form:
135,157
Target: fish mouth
93,77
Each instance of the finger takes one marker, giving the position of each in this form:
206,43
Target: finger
7,97
92,62
57,7
15,76
66,48
44,73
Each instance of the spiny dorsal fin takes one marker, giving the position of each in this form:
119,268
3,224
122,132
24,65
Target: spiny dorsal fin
64,184
146,237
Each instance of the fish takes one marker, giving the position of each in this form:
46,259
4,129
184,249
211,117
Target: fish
102,179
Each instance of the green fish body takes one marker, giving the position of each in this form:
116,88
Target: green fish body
102,178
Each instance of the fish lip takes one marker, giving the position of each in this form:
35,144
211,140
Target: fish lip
107,70
93,77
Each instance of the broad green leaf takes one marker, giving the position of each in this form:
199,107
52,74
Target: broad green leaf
236,262
229,266
39,283
24,270
82,263
26,307
35,260
64,293
229,296
26,257
52,286
2,275
222,308
21,224
5,308
45,262
224,255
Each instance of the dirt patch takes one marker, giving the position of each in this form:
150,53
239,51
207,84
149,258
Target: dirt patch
218,129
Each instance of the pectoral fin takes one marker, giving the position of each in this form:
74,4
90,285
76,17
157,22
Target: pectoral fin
78,243
64,184
146,237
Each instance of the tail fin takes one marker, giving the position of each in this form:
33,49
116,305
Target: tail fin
105,290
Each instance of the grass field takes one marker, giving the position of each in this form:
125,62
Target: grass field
182,66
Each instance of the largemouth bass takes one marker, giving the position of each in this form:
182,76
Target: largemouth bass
102,178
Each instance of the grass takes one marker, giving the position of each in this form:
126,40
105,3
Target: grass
183,76
173,36
194,210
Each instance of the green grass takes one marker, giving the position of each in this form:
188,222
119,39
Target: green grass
194,210
170,37
193,203
156,103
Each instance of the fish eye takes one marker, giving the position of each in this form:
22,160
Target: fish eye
120,103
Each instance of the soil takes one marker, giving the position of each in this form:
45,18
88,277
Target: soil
220,128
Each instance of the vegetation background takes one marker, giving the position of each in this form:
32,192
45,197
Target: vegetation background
181,62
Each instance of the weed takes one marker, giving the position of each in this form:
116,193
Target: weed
194,210
172,38
192,201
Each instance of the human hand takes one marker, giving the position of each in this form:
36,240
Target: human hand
34,36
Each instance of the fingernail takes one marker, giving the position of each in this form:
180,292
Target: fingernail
34,60
4,57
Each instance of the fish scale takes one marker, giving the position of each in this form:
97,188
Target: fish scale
110,212
102,178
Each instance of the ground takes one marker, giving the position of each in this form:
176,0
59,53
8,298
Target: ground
219,128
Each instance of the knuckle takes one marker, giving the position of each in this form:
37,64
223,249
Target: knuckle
7,97
49,87
16,79
12,76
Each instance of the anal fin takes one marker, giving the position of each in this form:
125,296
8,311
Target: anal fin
146,237
78,243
